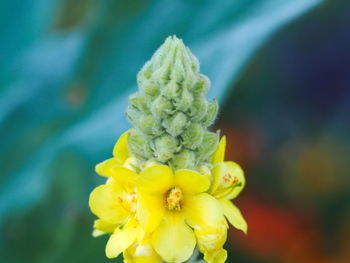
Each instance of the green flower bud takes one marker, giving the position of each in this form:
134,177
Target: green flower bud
139,102
149,88
165,147
201,86
150,126
133,116
193,136
145,73
208,146
185,159
161,107
194,61
171,90
165,54
161,75
178,73
198,109
184,102
176,124
211,113
139,146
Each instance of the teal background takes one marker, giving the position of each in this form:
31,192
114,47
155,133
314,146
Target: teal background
278,67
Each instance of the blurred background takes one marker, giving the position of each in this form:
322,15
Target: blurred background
280,69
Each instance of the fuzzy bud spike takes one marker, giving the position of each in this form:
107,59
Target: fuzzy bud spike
170,112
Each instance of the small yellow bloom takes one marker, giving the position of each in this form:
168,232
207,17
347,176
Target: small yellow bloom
171,205
227,182
210,241
115,204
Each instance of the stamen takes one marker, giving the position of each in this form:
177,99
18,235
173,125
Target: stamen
173,199
228,180
129,201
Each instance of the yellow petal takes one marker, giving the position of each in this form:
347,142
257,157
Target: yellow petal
104,203
120,241
202,211
104,226
217,172
234,216
157,179
150,211
124,176
120,151
219,154
191,182
141,252
97,233
236,171
104,167
212,238
174,242
217,256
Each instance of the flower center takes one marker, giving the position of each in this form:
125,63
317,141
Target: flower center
129,201
228,180
173,199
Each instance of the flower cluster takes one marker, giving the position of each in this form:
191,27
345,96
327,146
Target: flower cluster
157,207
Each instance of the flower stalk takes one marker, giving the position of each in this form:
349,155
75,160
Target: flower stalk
168,187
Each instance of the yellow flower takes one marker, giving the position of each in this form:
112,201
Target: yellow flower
210,241
115,203
170,205
121,156
227,182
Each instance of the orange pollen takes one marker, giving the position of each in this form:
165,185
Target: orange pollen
235,180
173,199
228,180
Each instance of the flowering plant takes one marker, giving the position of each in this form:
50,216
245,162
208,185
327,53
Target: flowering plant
168,188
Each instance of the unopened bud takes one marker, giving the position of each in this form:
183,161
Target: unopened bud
201,86
161,108
171,90
164,147
193,136
149,88
176,124
139,102
185,159
133,116
208,146
211,113
145,73
150,126
184,101
198,109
